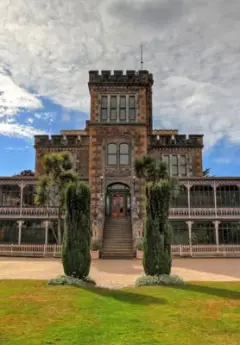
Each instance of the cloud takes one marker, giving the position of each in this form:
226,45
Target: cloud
22,148
13,97
191,47
19,131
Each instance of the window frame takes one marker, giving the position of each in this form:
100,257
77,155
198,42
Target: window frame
124,154
112,154
115,107
122,108
105,107
132,108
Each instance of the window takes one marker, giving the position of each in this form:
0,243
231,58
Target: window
174,165
124,154
112,154
118,108
132,108
104,108
118,154
122,109
113,108
165,159
182,165
177,164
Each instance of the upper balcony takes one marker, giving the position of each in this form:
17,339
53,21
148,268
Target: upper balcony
199,198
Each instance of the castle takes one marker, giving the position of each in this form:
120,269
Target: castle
119,131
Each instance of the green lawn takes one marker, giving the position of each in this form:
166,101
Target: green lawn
32,313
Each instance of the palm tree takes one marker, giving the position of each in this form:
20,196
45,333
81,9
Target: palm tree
51,187
160,189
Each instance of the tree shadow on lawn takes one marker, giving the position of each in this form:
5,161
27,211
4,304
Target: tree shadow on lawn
209,290
125,296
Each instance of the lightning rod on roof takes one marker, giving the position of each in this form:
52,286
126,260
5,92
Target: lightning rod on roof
141,56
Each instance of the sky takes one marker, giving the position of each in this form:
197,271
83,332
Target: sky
191,47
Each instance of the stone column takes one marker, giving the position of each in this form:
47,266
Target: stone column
189,224
20,223
46,223
216,225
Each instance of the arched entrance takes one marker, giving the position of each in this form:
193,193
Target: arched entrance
118,200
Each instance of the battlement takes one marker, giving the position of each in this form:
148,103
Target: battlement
165,132
179,140
61,140
119,77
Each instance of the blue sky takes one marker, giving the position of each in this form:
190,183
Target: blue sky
190,46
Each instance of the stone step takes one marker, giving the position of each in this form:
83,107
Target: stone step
118,254
117,245
119,249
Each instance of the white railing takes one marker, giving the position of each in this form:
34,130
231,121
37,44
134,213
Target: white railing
16,212
54,250
204,212
207,250
175,213
38,250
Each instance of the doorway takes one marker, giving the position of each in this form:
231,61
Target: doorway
118,201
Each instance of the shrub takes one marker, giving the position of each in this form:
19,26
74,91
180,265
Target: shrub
76,255
66,280
163,279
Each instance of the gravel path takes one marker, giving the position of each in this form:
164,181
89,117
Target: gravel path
119,273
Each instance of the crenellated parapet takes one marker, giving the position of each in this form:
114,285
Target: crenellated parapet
61,140
131,77
166,140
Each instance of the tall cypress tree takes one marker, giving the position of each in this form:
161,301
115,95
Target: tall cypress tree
76,255
157,243
160,189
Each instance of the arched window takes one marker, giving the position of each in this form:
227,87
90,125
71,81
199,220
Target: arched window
124,154
112,154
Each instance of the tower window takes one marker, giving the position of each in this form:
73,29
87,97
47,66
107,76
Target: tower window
113,108
122,109
124,156
112,154
118,108
132,108
104,108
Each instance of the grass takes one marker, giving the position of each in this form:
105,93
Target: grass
32,313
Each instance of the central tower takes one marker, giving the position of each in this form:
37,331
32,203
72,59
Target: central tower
119,128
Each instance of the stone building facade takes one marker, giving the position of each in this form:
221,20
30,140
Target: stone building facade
119,131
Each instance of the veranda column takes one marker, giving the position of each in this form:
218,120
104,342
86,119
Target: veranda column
216,225
189,200
215,196
21,197
46,223
20,223
189,224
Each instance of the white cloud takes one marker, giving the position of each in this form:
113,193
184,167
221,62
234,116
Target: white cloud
191,47
19,131
13,97
22,148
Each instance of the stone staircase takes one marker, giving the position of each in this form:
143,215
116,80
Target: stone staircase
117,238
